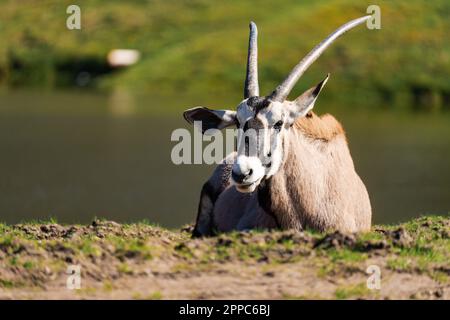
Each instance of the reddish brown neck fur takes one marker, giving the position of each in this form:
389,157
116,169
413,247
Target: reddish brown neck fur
324,127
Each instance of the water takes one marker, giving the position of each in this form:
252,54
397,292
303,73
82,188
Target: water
74,156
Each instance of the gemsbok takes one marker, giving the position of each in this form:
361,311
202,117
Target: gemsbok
299,172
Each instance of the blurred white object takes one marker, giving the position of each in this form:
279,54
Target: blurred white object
123,57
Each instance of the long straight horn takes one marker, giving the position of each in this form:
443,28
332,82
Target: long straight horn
251,87
283,90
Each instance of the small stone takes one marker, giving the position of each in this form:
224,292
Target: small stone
245,241
439,293
165,240
401,238
264,258
47,271
224,241
187,228
270,274
375,245
336,240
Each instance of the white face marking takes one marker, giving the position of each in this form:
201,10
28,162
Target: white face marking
273,141
270,154
228,116
253,165
244,112
273,113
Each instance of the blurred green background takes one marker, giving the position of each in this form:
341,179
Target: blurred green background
80,139
198,47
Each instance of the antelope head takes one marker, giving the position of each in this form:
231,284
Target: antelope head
265,120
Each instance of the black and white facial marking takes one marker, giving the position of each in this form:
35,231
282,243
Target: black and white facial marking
262,124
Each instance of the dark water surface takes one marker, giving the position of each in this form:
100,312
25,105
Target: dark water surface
74,156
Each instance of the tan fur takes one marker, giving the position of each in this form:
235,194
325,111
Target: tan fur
325,127
316,187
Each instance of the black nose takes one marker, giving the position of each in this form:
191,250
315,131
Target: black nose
239,177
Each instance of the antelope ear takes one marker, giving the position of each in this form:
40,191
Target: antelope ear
304,103
210,119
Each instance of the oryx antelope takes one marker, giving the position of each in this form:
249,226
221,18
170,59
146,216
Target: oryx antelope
302,176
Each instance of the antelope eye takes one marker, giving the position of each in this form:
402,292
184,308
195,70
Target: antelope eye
278,125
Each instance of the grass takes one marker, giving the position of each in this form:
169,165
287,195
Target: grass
155,296
28,264
38,222
108,286
6,284
198,47
108,250
125,268
348,292
345,255
400,264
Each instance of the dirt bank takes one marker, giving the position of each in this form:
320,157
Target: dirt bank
140,261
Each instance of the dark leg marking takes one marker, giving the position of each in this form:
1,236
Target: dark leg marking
204,226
